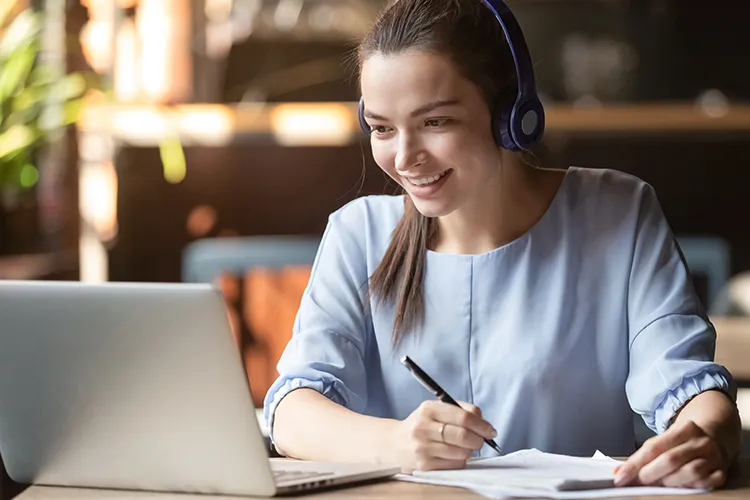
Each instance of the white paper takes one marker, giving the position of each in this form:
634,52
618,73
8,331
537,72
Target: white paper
532,473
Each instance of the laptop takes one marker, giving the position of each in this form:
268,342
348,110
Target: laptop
137,387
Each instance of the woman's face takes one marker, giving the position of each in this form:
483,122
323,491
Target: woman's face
430,129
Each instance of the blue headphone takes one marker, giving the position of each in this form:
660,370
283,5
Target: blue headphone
520,125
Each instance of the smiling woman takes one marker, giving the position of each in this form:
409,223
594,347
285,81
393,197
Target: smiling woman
555,302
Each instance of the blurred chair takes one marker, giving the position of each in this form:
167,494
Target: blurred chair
206,260
708,257
262,279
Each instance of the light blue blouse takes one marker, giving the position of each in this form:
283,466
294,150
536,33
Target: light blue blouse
556,336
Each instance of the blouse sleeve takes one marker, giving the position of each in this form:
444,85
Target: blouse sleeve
326,351
672,342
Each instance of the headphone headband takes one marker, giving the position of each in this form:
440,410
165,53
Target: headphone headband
518,47
521,125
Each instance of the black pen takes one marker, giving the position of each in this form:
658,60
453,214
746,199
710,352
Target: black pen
437,391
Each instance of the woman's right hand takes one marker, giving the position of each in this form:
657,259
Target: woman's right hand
438,435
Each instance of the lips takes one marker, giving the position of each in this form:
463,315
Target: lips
425,180
426,186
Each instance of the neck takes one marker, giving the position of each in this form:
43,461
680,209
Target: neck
511,202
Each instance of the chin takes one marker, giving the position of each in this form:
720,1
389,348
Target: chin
431,208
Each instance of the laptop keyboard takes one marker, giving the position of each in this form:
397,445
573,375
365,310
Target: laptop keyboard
298,475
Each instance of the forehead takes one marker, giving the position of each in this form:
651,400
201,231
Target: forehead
404,81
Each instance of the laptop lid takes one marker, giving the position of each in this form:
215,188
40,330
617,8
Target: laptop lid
125,385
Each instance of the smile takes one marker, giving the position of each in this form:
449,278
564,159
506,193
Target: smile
425,181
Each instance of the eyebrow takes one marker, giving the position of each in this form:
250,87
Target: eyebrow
417,112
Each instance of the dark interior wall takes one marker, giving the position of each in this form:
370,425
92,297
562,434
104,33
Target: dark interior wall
681,47
258,189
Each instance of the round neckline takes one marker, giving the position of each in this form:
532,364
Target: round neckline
534,227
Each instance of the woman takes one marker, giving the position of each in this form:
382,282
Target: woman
556,301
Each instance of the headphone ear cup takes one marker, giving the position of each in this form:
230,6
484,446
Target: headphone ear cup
527,123
362,122
501,117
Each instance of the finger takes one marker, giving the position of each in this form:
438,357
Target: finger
651,449
470,408
715,480
461,437
453,415
445,451
434,463
675,459
689,474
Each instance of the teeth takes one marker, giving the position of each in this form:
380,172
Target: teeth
426,180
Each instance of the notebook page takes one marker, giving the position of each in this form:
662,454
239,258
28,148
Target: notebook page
532,473
532,469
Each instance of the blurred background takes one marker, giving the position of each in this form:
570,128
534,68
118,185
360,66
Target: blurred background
208,140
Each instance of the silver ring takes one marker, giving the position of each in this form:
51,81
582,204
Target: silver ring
442,433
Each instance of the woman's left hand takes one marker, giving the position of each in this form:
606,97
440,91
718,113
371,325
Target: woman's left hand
684,456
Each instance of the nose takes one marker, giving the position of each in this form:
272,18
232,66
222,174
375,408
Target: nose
410,154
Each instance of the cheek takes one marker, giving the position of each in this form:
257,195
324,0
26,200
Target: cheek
452,151
384,157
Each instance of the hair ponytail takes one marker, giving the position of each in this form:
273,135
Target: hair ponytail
400,276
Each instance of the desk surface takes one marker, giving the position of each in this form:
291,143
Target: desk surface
733,345
737,487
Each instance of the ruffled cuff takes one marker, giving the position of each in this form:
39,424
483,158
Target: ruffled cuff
716,378
282,388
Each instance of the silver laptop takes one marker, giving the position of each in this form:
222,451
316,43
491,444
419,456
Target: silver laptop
136,387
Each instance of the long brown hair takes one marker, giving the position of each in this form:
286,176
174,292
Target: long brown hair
467,33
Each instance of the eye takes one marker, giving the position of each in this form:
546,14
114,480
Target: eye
379,129
435,122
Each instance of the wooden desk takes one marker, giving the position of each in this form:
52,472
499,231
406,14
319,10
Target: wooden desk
737,487
733,345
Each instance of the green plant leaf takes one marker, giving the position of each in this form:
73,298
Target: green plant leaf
42,76
28,176
27,117
34,98
16,138
16,70
71,111
50,118
72,85
8,169
26,99
61,104
173,160
25,27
